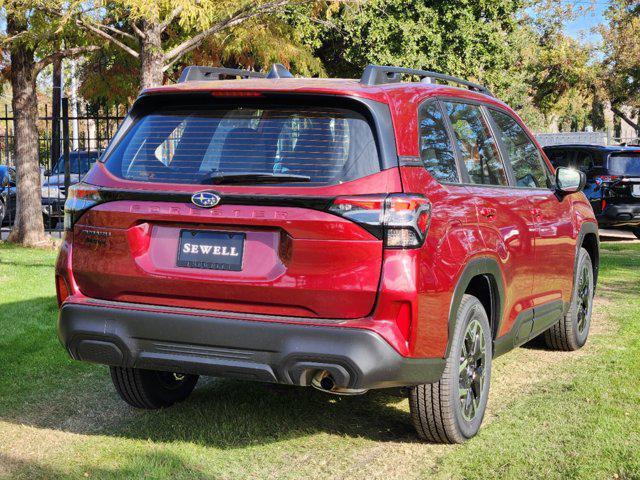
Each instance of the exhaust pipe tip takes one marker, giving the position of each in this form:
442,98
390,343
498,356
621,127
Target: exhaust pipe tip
323,380
327,383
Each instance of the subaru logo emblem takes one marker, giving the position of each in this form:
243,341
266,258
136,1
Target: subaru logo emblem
205,199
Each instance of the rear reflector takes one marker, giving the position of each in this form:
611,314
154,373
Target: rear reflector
403,320
402,220
62,291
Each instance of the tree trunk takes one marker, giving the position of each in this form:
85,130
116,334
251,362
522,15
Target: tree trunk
151,57
55,112
28,228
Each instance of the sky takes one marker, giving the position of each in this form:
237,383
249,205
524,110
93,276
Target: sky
592,15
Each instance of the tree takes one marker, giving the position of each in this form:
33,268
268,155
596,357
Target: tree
139,27
565,79
622,57
459,38
110,76
33,40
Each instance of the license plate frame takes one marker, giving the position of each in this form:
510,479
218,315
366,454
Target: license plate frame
211,249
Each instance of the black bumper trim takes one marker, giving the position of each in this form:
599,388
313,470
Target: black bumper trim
620,215
249,349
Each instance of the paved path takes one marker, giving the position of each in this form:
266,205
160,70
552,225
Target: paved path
616,235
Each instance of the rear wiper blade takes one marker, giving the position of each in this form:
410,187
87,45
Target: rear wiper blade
252,177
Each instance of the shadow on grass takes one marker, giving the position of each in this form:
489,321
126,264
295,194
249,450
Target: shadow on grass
136,466
45,388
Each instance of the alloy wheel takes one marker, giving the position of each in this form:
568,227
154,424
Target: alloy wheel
472,370
584,299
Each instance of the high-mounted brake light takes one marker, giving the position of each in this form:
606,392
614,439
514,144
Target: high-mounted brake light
80,198
402,220
235,93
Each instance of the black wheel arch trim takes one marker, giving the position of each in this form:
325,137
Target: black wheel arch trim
478,266
585,229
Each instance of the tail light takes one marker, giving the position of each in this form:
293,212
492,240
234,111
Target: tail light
80,198
604,180
401,220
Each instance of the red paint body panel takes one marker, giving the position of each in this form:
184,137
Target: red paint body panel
296,261
315,268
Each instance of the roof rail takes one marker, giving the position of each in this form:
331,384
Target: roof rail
194,73
380,75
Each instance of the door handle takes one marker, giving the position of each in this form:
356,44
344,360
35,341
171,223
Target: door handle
488,212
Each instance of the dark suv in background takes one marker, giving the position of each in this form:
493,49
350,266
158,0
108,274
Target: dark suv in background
613,180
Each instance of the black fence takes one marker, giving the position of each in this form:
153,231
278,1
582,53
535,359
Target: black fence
84,132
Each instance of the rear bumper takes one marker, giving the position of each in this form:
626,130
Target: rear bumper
248,349
620,215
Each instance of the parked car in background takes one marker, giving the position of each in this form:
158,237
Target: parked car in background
613,180
336,233
53,185
7,194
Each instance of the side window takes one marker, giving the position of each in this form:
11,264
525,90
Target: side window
477,147
522,152
559,158
584,161
436,151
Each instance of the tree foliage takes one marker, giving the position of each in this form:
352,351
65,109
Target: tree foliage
622,53
461,38
143,29
564,81
111,76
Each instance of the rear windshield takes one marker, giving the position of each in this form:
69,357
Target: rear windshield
625,164
211,145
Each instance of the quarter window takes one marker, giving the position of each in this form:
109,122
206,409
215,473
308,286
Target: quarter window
477,147
522,152
436,151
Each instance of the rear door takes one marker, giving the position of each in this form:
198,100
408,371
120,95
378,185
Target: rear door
256,236
504,214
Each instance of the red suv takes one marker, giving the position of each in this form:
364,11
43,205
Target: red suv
344,234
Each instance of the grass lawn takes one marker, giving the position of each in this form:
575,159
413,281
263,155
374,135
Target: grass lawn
551,414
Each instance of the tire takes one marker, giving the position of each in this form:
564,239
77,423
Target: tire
436,409
571,332
636,232
150,389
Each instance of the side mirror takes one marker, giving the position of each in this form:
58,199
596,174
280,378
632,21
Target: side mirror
47,173
569,180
